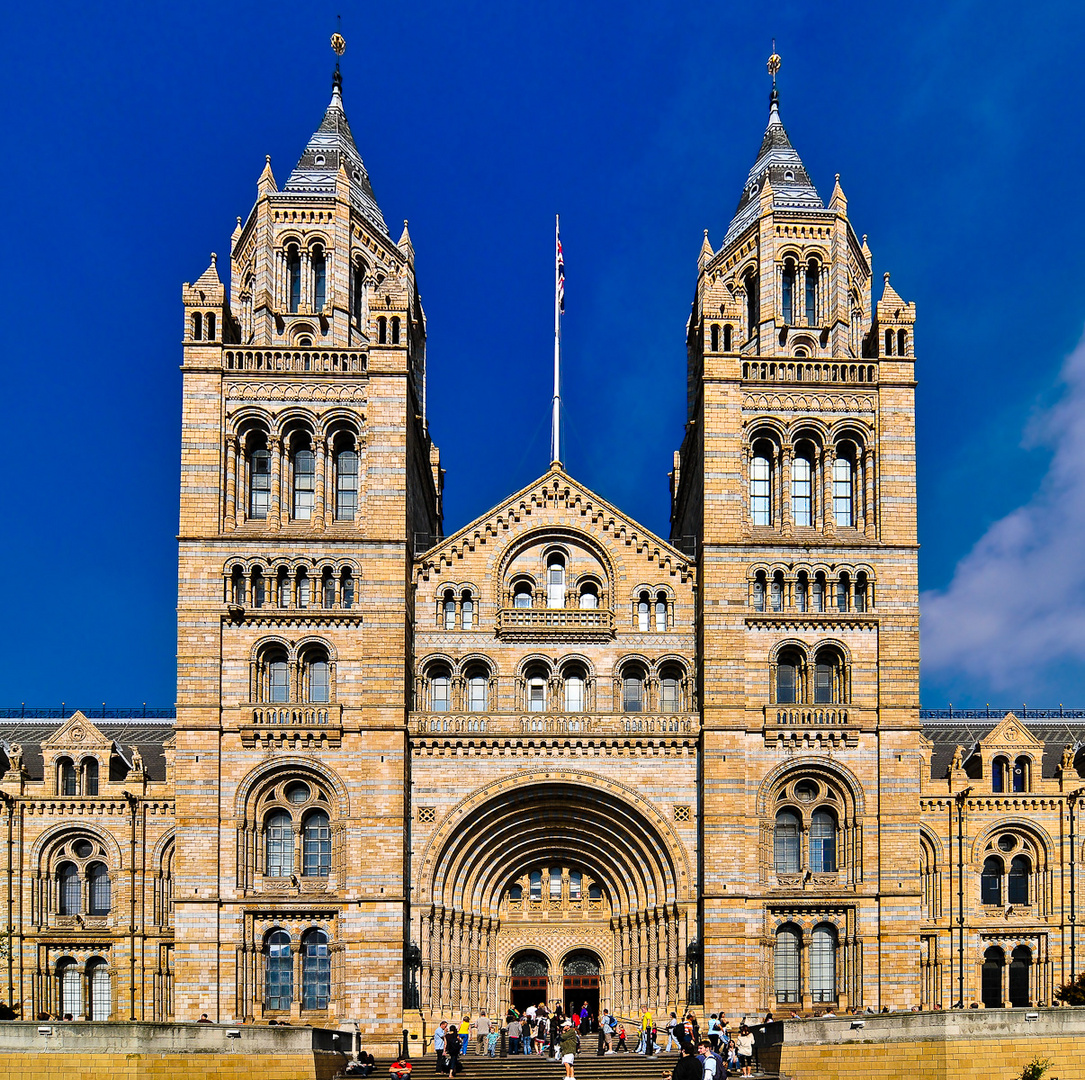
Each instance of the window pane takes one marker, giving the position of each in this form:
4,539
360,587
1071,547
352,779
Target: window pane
320,281
1017,884
476,693
346,504
823,684
279,845
260,484
759,596
536,695
98,878
522,598
760,500
801,492
101,997
303,589
278,682
450,614
90,776
588,599
71,991
642,616
318,681
788,298
817,596
316,846
278,988
811,294
440,698
991,881
823,964
669,696
315,971
786,680
801,592
535,888
822,842
304,484
555,586
574,693
71,889
661,615
632,694
776,593
348,589
786,962
786,853
575,881
468,609
555,883
842,500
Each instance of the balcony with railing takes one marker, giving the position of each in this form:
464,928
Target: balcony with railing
829,724
470,725
295,361
555,624
287,723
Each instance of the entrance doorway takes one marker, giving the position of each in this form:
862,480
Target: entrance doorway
530,982
580,985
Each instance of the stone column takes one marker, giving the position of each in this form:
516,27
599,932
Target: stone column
319,501
229,518
868,477
274,516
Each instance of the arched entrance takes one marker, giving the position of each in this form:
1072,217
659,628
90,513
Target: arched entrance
580,983
529,982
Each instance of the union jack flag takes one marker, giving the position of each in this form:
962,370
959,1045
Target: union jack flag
561,278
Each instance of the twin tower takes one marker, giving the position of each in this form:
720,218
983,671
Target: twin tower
551,755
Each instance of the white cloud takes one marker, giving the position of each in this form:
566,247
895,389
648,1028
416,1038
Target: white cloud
1015,608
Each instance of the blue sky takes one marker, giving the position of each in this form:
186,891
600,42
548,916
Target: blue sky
133,137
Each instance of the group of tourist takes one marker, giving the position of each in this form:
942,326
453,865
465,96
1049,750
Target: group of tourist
710,1055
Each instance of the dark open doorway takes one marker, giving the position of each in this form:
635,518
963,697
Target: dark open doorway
530,981
580,984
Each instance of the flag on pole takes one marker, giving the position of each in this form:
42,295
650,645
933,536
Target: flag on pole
561,278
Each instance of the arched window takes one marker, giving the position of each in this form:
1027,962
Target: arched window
197,325
346,588
346,485
516,893
101,992
89,766
802,491
862,592
589,595
382,330
316,845
71,989
843,587
776,592
276,677
1017,881
822,841
357,296
535,885
316,970
802,592
237,586
259,482
535,687
448,610
715,338
788,676
757,595
787,295
817,592
320,278
327,588
991,881
555,883
69,889
99,889
843,470
661,613
555,582
823,963
753,307
727,334
994,960
576,882
467,611
644,612
210,326
595,892
1020,966
632,689
293,278
440,693
477,690
788,969
259,597
521,595
574,690
812,293
761,485
304,587
1000,769
283,592
279,974
278,845
1022,770
304,465
395,329
786,849
66,777
828,677
889,343
902,343
670,690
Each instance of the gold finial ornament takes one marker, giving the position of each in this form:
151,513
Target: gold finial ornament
339,44
774,63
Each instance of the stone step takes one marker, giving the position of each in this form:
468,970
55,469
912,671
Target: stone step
534,1067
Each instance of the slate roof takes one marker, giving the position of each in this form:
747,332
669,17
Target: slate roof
779,161
1054,734
333,144
148,735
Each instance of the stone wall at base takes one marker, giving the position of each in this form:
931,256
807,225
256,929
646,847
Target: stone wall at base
107,1051
980,1045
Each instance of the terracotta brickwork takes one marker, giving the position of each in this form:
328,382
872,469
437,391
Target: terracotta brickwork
551,753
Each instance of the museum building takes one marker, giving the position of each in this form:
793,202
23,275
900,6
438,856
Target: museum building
551,755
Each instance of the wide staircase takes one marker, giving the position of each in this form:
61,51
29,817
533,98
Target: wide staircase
534,1067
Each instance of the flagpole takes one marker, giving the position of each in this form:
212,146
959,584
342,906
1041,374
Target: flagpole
555,432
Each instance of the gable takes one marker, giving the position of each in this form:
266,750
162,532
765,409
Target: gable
1010,734
78,733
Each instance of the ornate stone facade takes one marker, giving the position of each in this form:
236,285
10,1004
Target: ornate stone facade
559,754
